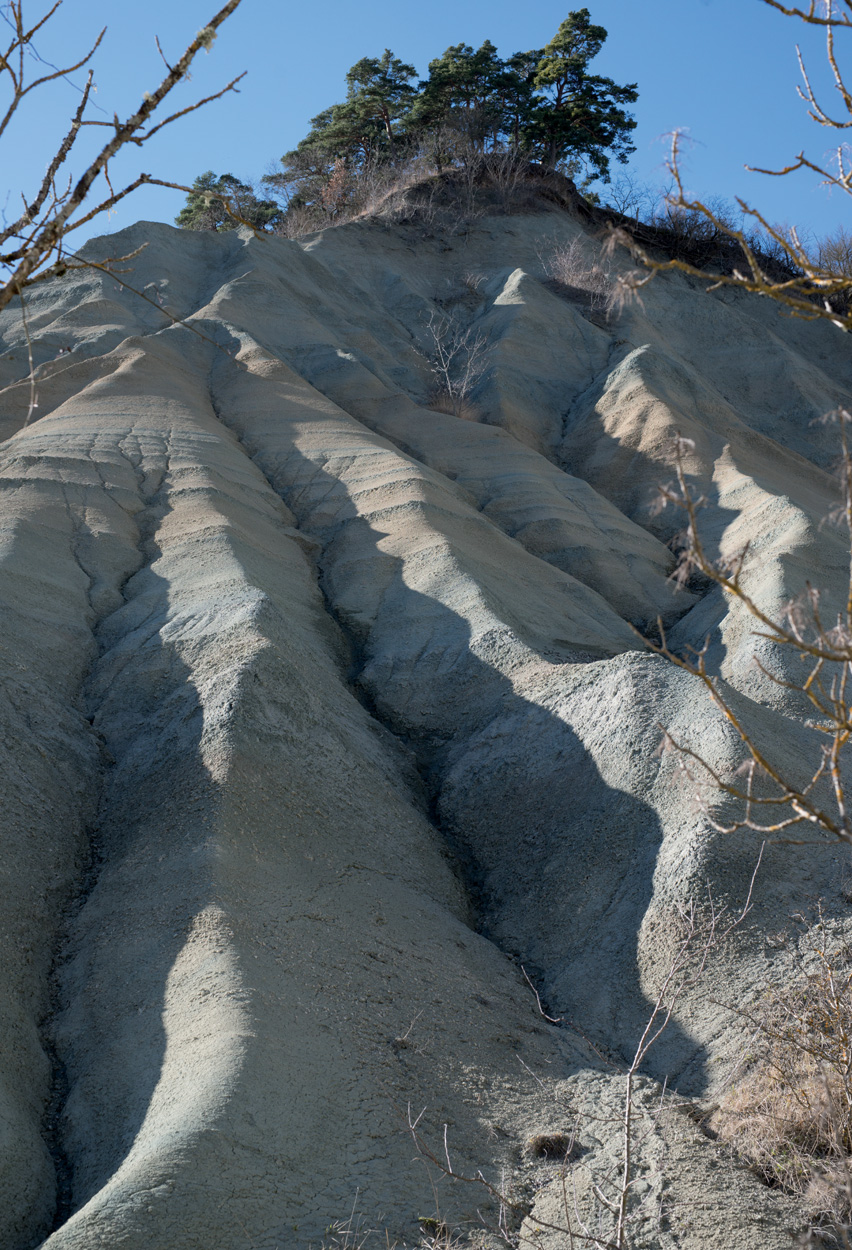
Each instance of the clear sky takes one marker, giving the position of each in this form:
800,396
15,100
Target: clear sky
725,70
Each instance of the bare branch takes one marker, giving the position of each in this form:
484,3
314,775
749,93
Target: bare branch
21,90
812,291
811,15
32,210
44,224
217,95
801,628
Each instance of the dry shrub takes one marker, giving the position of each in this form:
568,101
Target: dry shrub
834,257
377,190
787,1135
354,1233
790,1116
297,223
492,184
452,405
408,192
570,271
555,1146
631,198
703,240
472,282
377,187
834,252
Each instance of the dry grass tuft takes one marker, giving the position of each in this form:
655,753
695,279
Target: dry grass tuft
558,1147
785,1128
441,401
790,1116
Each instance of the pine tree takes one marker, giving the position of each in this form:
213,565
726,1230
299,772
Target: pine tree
360,131
204,211
461,94
579,115
380,88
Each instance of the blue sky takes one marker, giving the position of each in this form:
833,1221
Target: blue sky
723,70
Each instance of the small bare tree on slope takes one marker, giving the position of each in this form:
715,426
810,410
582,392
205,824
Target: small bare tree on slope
458,358
34,246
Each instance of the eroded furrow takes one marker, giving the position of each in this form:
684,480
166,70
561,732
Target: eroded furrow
108,552
260,855
453,664
52,506
540,748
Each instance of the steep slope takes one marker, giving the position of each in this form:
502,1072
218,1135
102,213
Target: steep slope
326,730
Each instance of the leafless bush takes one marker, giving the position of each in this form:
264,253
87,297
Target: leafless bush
692,228
377,190
298,222
834,252
506,171
801,284
632,198
379,182
568,268
471,183
833,256
413,200
458,358
710,239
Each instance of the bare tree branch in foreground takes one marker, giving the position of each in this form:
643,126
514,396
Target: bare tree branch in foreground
813,287
34,247
825,647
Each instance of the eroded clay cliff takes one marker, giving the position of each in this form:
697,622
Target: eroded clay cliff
323,718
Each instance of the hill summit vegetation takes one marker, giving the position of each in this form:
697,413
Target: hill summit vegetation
474,112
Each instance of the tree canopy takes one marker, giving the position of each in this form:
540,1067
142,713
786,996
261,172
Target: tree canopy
380,89
204,210
542,105
573,111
